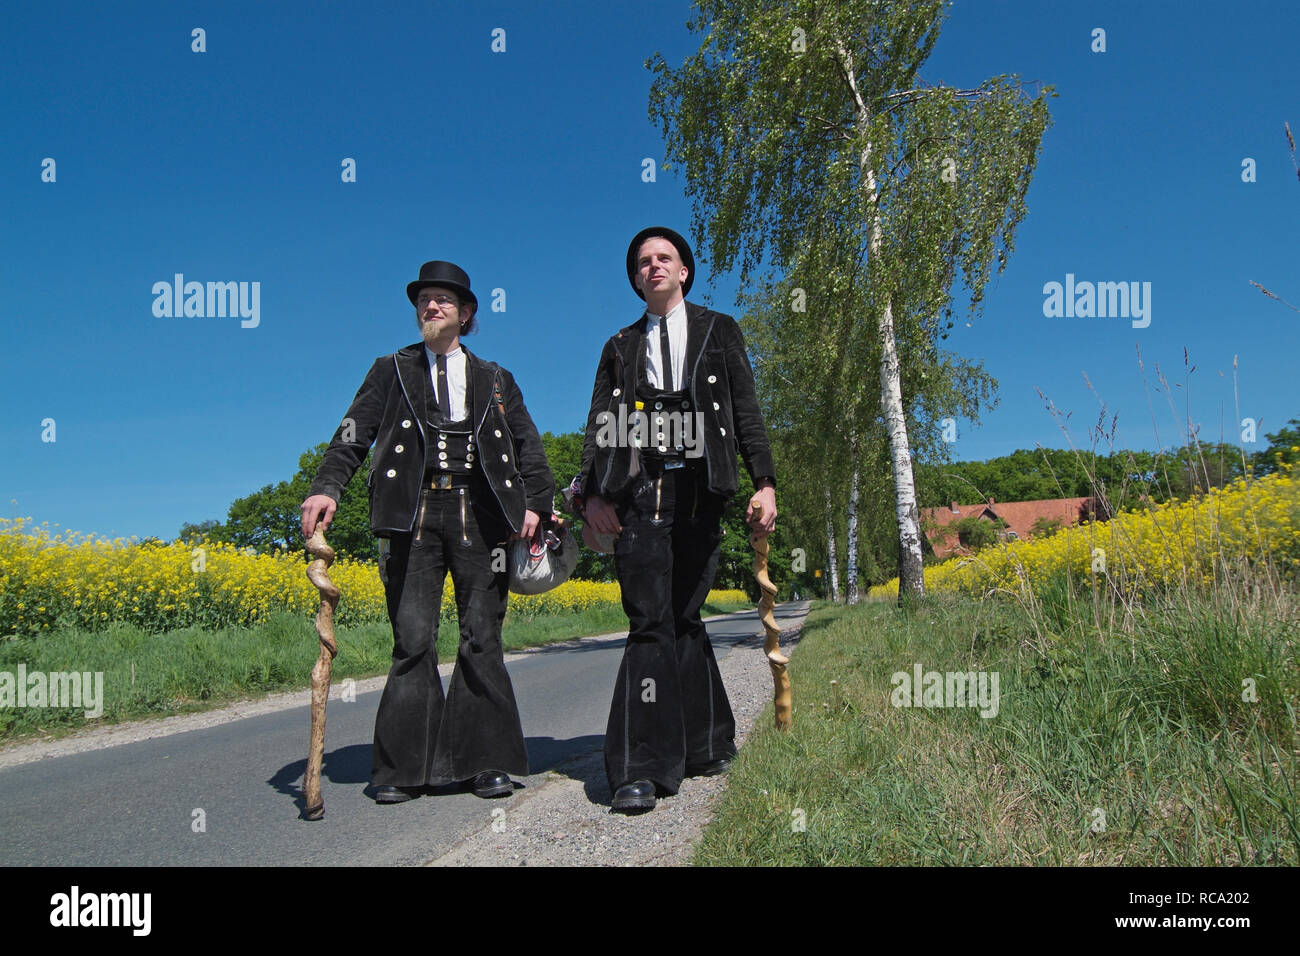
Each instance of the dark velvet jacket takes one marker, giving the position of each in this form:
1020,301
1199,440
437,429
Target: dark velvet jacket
721,385
389,411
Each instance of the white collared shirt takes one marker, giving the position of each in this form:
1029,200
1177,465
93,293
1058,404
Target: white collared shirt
676,319
456,370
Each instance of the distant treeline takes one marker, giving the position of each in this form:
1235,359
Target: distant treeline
1124,478
269,520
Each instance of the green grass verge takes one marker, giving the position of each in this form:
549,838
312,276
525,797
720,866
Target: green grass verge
193,669
1112,748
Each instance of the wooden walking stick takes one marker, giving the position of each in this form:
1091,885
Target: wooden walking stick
318,574
783,700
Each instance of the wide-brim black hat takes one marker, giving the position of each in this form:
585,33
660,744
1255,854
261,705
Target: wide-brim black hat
681,245
445,274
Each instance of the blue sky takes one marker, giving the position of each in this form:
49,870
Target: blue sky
525,168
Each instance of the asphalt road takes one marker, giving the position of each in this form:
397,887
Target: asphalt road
231,794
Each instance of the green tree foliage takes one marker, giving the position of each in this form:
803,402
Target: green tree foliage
803,337
197,531
1281,449
270,519
1045,527
974,533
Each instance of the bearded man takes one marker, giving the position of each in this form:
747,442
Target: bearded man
458,471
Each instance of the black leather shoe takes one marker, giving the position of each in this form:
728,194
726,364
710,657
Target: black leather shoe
710,769
635,797
492,783
395,794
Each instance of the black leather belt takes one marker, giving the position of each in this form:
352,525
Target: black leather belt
445,482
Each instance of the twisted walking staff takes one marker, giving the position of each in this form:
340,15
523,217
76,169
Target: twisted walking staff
318,574
782,697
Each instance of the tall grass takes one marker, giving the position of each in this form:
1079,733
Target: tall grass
1149,687
1118,748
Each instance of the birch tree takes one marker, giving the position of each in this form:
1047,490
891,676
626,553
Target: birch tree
802,120
832,562
801,328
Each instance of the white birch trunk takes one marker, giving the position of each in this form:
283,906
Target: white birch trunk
833,569
851,577
910,581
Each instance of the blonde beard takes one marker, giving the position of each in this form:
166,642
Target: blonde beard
429,332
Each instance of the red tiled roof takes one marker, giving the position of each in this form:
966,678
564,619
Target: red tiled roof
1019,516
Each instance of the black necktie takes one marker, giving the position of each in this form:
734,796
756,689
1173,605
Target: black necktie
444,394
665,356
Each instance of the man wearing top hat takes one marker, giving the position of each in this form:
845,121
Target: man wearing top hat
660,489
458,470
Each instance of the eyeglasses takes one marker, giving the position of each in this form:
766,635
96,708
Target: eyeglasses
441,298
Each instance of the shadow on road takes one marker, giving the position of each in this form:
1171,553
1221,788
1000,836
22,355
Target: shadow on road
578,758
349,764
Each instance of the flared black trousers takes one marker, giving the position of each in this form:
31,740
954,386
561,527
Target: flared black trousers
669,707
424,737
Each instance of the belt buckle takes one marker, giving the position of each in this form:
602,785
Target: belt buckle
674,463
441,483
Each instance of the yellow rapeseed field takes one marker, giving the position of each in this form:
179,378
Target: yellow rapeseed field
49,581
1173,545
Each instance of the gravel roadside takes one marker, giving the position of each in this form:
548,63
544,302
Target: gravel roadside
566,821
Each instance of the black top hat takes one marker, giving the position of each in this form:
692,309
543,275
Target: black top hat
446,274
683,250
